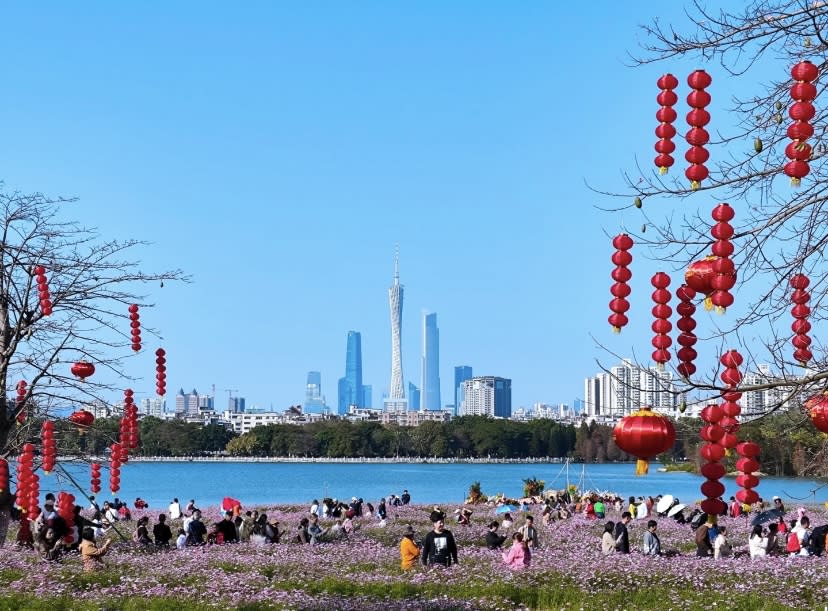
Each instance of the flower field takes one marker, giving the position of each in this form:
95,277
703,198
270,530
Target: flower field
362,572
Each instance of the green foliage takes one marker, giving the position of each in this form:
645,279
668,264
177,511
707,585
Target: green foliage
533,486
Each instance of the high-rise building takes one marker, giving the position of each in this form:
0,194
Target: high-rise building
430,372
461,374
180,403
152,407
314,400
396,399
235,405
350,391
487,396
413,396
367,396
626,388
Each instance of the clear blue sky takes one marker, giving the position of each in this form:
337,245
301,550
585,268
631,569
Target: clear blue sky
277,152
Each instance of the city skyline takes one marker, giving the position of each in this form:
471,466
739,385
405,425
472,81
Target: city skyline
279,169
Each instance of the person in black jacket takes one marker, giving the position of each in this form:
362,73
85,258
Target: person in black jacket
494,540
228,529
161,532
622,535
439,546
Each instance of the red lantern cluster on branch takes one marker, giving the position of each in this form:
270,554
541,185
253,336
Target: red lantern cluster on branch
161,370
800,311
697,136
22,389
4,476
730,360
135,327
49,452
661,325
686,324
644,434
817,408
803,93
665,132
129,422
115,467
66,510
43,290
28,483
747,465
83,370
95,477
712,452
621,274
724,269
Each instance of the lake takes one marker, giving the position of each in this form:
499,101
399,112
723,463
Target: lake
279,482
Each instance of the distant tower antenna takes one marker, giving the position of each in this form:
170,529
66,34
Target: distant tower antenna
397,264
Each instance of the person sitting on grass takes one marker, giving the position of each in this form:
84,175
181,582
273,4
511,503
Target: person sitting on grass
91,554
494,540
518,556
409,550
652,544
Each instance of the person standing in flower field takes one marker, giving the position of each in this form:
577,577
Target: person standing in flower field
439,546
409,550
622,535
530,533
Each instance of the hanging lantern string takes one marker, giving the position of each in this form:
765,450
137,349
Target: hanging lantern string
89,498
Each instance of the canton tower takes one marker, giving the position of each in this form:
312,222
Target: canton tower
395,300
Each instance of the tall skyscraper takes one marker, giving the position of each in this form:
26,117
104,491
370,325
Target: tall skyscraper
350,387
396,399
461,374
314,400
430,372
413,396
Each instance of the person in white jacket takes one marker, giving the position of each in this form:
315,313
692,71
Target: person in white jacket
758,542
721,546
175,510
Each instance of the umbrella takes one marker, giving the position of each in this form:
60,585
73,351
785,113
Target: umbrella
665,503
675,509
766,516
506,508
229,503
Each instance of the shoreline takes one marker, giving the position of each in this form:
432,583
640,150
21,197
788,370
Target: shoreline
394,460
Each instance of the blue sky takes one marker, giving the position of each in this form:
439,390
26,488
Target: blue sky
278,152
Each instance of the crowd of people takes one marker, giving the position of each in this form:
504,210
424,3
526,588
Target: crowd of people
332,519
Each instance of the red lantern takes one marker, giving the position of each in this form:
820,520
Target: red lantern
95,478
661,312
713,507
49,451
22,390
699,276
800,311
620,290
83,370
713,470
686,324
644,434
160,360
697,137
115,468
747,465
82,419
43,290
801,111
135,327
817,408
724,270
666,115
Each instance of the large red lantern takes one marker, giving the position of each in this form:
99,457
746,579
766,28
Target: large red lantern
95,477
83,370
803,92
644,434
661,313
620,290
686,324
699,277
135,327
801,340
697,137
817,408
665,115
82,419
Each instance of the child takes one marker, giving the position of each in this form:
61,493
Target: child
181,540
518,556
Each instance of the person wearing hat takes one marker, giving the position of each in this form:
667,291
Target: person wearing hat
409,550
439,546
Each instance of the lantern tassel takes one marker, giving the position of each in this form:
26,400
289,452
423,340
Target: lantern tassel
720,310
616,330
708,304
694,185
795,181
662,170
642,467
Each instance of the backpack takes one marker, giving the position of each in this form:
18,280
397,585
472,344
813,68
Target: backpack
792,544
817,540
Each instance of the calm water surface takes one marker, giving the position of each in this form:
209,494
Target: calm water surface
260,483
